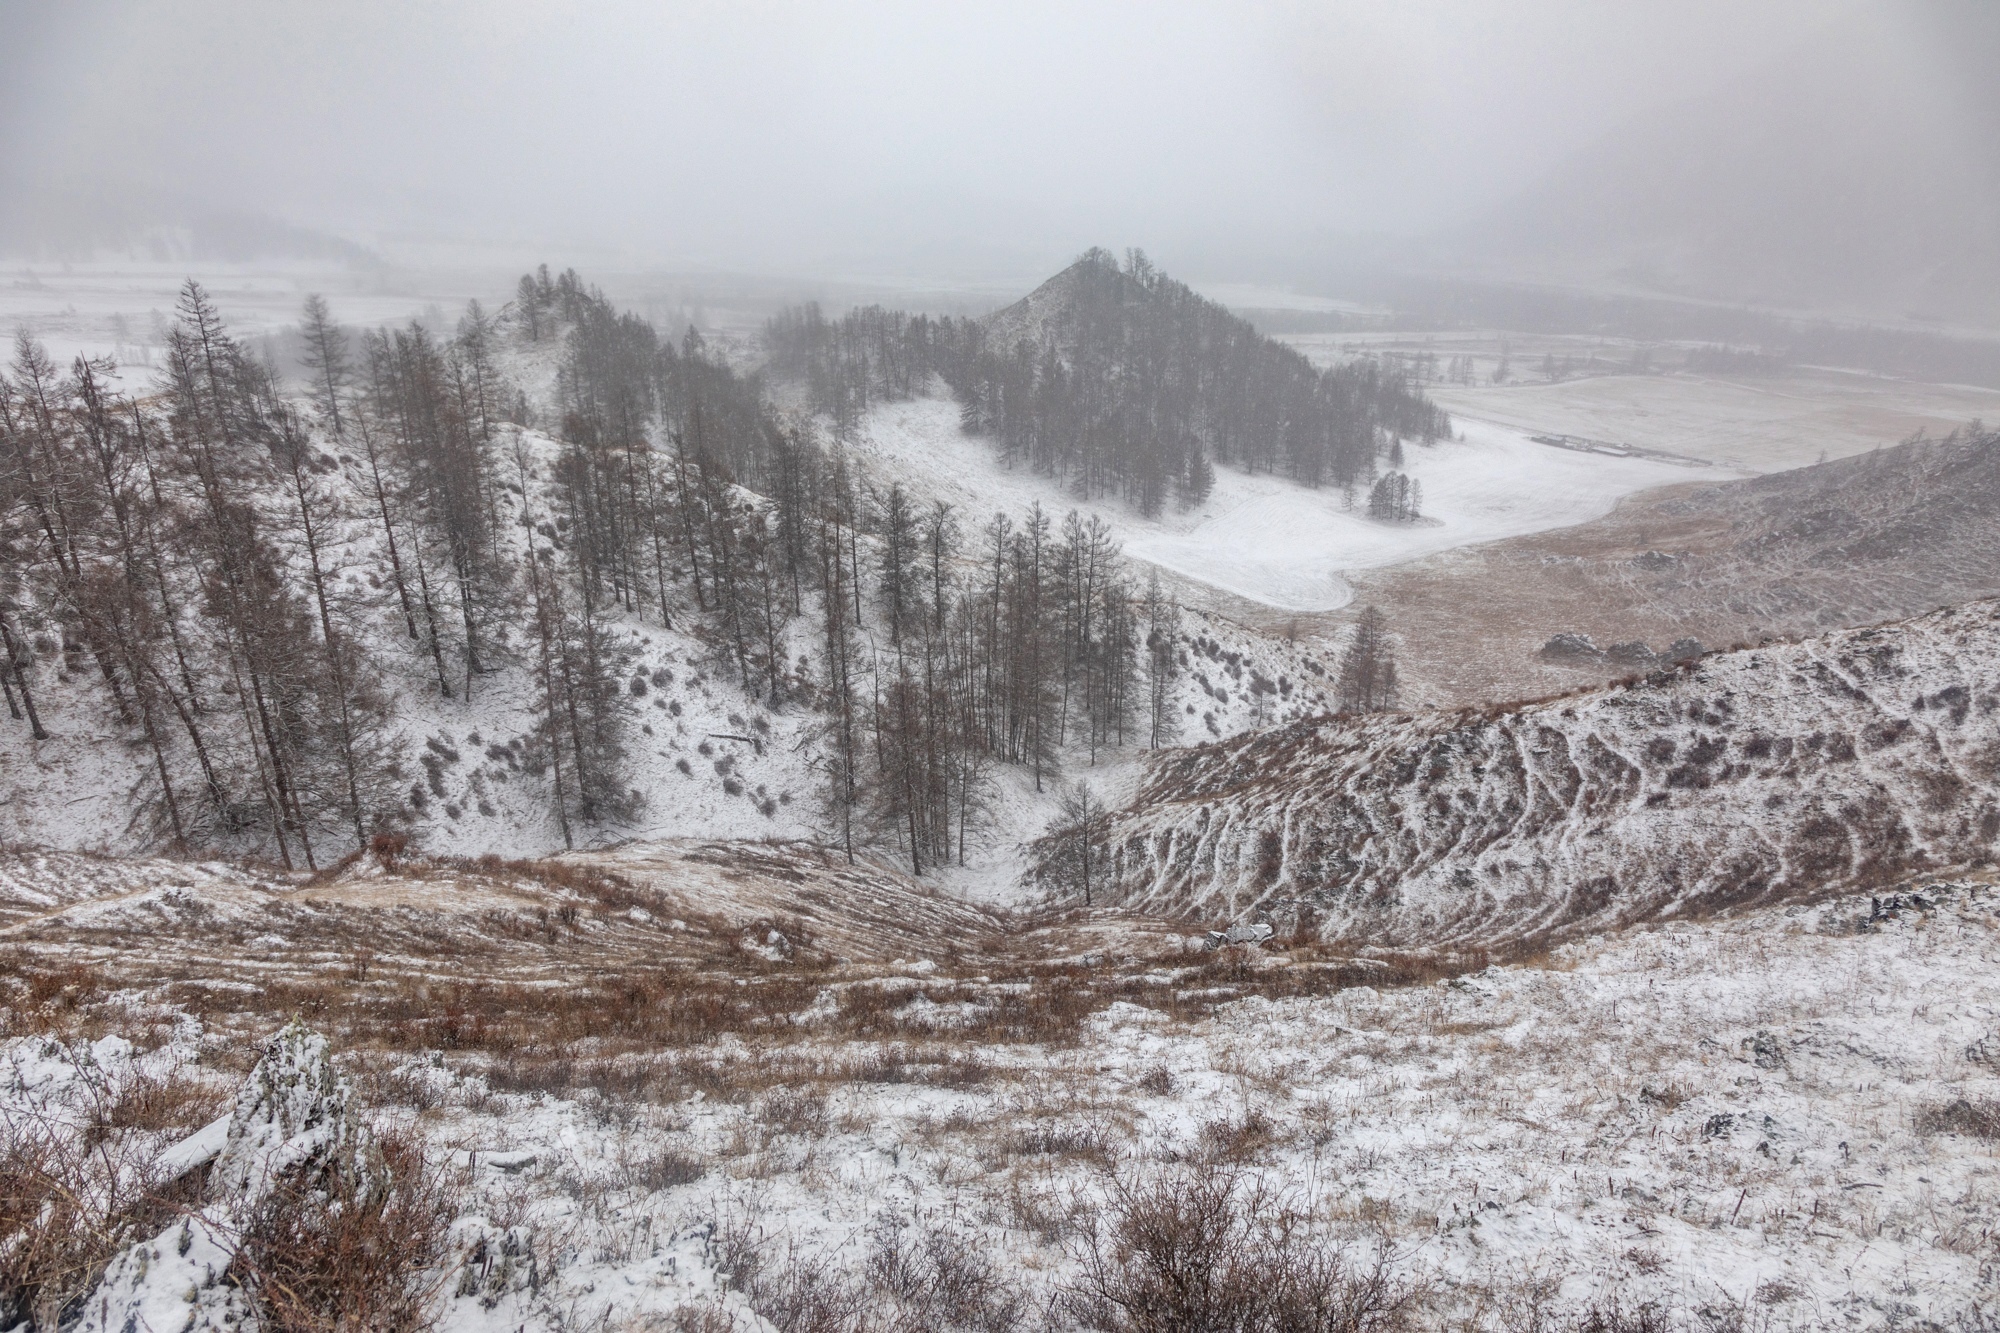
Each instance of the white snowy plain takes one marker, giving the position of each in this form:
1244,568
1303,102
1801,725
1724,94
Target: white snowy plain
1266,538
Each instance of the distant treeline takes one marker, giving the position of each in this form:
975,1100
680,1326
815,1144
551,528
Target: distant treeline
1119,381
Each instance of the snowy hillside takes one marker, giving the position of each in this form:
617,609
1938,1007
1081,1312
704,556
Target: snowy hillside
710,760
1783,1117
1763,775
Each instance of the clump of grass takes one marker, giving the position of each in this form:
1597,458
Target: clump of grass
1973,1118
78,1185
352,1251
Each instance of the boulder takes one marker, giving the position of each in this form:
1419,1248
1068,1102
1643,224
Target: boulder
1571,648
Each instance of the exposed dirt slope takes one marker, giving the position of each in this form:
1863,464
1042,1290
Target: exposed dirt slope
1852,542
1754,776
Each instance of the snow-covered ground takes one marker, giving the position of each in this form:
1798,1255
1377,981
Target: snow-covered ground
1749,424
1778,1121
1264,537
122,308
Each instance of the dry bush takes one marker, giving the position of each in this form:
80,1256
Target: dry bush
939,1279
1646,1317
1052,1139
1205,1250
76,1187
792,1112
65,1211
1237,1140
900,1064
661,1167
797,1293
356,1254
1979,1119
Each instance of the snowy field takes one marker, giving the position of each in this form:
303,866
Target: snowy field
122,309
1751,424
1264,537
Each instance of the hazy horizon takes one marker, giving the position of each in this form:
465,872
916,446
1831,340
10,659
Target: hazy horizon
873,139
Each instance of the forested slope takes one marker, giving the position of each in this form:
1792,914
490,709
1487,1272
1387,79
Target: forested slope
1118,381
544,580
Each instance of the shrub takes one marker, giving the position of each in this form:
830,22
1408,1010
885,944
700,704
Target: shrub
77,1186
1975,1119
350,1254
1206,1249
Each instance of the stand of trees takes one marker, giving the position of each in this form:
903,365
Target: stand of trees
1120,381
938,650
188,556
249,582
1367,681
1396,498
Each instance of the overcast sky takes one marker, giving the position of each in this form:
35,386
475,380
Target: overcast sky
777,136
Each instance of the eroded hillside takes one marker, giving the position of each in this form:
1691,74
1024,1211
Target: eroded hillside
1756,776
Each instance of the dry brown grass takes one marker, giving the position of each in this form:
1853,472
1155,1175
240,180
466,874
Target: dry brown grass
78,1186
1204,1248
353,1254
1977,1118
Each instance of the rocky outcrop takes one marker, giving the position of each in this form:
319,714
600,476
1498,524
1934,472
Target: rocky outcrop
293,1128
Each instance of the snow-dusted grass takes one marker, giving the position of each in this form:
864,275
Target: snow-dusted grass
1748,1119
1720,1117
1264,537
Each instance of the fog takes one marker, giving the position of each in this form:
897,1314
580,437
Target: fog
955,142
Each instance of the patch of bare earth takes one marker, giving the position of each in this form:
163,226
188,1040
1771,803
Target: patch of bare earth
1875,537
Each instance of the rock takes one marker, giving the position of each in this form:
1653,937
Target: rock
1634,654
1683,650
509,1163
774,947
1250,933
172,1283
1766,1052
1655,560
292,1120
1571,648
292,1123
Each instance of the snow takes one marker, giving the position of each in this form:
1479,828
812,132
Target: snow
1753,425
1266,538
1762,774
172,1283
1731,1112
196,1150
